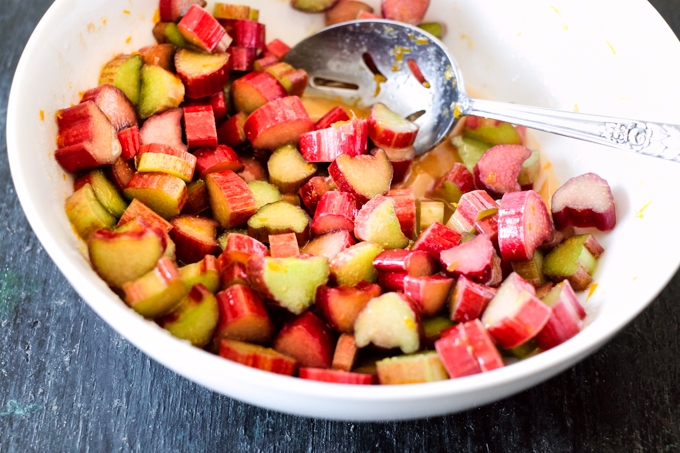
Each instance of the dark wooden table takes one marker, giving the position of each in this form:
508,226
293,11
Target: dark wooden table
69,383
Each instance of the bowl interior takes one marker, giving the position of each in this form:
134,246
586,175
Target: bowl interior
566,55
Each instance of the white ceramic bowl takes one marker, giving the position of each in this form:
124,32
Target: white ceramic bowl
608,57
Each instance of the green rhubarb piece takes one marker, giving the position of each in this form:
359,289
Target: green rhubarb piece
498,134
436,29
433,326
292,282
466,237
312,6
531,270
195,273
377,222
161,90
411,369
86,213
288,170
450,192
124,72
429,212
107,193
222,238
573,261
173,35
530,169
525,350
157,292
278,218
195,318
355,264
469,150
165,163
264,193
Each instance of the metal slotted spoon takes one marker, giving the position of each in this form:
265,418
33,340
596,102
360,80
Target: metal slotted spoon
367,61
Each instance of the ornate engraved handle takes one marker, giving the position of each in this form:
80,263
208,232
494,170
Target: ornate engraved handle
652,139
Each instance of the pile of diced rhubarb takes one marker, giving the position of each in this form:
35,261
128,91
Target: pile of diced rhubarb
213,205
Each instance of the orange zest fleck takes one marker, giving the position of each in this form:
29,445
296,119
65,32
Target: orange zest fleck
42,115
379,78
126,11
127,41
156,16
640,214
591,290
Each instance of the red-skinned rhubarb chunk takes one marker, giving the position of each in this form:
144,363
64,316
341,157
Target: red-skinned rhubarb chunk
341,305
476,259
239,248
242,58
173,10
575,260
584,201
293,80
204,272
277,48
283,245
454,184
472,207
288,170
245,33
194,237
523,225
290,282
197,198
491,131
344,11
566,317
200,28
405,203
389,321
256,356
377,222
411,369
86,213
430,292
329,244
278,218
195,318
86,138
389,129
114,104
157,292
435,239
475,340
325,145
333,116
232,132
345,353
313,190
216,159
415,263
277,123
307,340
499,168
515,315
231,199
242,316
336,376
120,172
364,176
230,11
469,299
335,211
202,74
409,11
139,209
129,142
164,129
163,193
234,274
199,126
162,55
254,90
401,159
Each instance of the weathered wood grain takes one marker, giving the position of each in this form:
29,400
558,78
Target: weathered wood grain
68,383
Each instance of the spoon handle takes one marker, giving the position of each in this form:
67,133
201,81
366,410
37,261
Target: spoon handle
653,139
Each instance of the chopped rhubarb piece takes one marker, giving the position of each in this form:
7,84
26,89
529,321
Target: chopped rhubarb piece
531,168
335,211
166,163
242,316
162,55
229,11
290,282
195,318
409,11
377,222
114,104
158,148
254,90
164,129
433,326
499,168
231,199
86,138
215,159
389,321
200,28
566,317
264,193
86,213
197,198
242,58
575,260
232,132
278,218
245,33
531,270
253,170
129,142
455,183
469,150
277,122
405,206
194,237
199,126
307,340
515,315
469,299
157,292
277,48
120,172
329,244
265,62
472,206
106,192
163,193
476,259
161,90
325,145
234,274
293,80
123,72
523,225
288,170
491,131
354,264
456,354
436,29
283,245
389,129
204,272
344,11
336,376
340,306
334,115
313,190
401,159
411,369
239,248
139,209
345,353
202,74
479,344
584,201
256,356
430,292
436,239
367,15
313,6
429,213
364,176
168,33
173,10
415,263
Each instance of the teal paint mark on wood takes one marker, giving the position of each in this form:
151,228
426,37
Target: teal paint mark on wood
12,292
14,407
